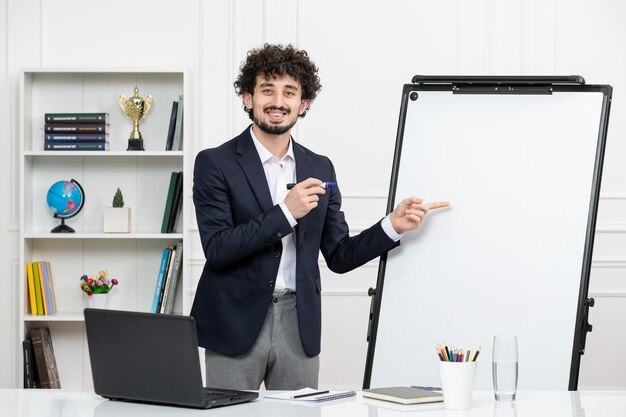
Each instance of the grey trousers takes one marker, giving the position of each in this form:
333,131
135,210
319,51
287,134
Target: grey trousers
277,357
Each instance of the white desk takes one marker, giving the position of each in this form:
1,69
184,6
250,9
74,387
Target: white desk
62,403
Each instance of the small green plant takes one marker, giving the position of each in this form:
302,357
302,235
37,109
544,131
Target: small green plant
118,199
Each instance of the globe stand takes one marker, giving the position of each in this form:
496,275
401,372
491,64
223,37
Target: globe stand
63,228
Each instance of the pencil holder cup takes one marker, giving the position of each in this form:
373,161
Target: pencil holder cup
457,384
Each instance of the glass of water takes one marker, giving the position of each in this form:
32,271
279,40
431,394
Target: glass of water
504,367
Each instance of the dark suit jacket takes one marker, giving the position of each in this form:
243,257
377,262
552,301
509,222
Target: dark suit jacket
240,229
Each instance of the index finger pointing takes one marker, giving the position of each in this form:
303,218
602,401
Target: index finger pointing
438,204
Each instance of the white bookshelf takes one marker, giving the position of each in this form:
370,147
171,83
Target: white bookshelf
143,176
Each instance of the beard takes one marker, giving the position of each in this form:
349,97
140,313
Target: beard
271,129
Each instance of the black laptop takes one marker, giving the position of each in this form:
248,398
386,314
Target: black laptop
151,358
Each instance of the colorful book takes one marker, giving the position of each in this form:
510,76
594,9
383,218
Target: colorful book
172,127
159,282
77,127
54,301
47,283
166,279
176,203
169,202
177,143
44,357
31,288
76,146
76,117
76,137
173,281
37,285
43,288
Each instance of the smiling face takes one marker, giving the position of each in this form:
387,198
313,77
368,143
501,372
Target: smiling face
276,103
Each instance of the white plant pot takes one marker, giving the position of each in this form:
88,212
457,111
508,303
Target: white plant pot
98,300
116,220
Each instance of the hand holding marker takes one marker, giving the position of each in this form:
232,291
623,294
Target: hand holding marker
304,196
323,185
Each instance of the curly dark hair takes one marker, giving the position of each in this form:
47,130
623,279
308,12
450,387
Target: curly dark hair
277,61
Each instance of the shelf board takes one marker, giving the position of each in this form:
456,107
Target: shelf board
105,154
59,316
107,70
48,235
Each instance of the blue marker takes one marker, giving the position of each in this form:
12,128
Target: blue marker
323,185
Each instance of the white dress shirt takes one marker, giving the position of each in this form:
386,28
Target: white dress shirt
279,173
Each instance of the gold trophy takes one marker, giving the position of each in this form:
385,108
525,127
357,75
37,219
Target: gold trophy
136,108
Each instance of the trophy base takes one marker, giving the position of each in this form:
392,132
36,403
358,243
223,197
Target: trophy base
135,145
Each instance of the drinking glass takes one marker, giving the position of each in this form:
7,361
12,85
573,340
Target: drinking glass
504,367
504,409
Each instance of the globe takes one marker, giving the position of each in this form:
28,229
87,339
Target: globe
66,199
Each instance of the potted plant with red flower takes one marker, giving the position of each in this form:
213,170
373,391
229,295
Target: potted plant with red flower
97,287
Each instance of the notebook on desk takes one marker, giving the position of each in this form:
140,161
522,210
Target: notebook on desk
404,395
311,395
151,358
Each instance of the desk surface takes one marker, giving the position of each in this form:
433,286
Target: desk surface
63,403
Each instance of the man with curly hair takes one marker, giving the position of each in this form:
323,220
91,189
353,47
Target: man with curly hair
266,206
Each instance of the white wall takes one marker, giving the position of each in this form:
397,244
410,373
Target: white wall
366,50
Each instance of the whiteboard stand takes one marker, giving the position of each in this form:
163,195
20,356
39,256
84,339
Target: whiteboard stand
520,159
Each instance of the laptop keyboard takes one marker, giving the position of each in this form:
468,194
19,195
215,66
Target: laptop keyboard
216,395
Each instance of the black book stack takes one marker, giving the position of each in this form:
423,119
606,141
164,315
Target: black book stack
76,132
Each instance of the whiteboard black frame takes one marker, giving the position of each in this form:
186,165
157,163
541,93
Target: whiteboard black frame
504,85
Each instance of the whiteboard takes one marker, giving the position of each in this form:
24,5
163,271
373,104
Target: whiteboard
512,253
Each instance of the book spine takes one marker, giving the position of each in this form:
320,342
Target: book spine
46,281
40,358
30,367
37,285
76,146
172,127
159,283
176,203
178,132
168,202
42,282
26,371
51,364
68,128
75,137
27,366
166,279
76,117
54,301
172,284
31,288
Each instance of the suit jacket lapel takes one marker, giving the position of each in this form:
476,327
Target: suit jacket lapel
304,170
252,167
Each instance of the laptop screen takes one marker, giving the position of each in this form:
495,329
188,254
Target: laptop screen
144,357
